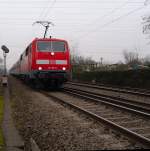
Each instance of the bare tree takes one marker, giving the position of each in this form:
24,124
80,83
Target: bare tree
146,61
146,27
74,49
77,59
146,21
131,58
80,60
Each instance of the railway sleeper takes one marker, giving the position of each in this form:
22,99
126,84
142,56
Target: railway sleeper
101,112
115,119
95,108
130,124
147,135
108,115
121,129
142,130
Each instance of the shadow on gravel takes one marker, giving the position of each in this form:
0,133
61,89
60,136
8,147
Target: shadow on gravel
38,88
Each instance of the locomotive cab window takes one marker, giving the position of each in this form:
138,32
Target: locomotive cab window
48,46
21,57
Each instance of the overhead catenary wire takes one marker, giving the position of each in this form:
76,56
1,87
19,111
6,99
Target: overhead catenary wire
147,2
110,22
111,12
78,1
19,15
63,19
44,9
49,9
68,1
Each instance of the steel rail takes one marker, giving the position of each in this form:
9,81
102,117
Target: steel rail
132,135
111,89
143,107
83,95
116,87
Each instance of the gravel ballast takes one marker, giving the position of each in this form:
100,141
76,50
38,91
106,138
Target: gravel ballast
55,127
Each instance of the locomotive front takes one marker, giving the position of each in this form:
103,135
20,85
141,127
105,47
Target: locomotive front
50,61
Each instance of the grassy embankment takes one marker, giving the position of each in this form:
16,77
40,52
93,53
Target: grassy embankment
1,119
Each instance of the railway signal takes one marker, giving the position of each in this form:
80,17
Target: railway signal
5,51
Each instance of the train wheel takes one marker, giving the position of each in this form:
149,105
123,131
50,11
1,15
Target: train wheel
58,85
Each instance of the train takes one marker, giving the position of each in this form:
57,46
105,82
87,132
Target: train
45,63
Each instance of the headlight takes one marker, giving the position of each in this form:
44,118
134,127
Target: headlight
64,68
40,68
52,53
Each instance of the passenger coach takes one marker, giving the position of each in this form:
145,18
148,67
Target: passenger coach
44,63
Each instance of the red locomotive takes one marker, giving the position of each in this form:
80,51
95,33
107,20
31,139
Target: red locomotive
44,63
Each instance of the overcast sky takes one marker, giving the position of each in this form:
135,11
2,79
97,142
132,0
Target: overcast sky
95,28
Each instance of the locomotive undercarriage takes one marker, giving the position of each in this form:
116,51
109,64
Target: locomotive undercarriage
46,79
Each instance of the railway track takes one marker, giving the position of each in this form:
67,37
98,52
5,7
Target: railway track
130,122
133,91
140,107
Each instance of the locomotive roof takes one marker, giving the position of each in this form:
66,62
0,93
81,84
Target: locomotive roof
36,39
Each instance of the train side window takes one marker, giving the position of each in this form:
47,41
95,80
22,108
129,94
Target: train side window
27,51
21,57
30,49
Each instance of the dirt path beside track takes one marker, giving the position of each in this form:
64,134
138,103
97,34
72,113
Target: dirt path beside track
13,140
56,128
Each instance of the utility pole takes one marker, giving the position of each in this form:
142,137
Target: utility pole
46,24
5,51
5,70
101,60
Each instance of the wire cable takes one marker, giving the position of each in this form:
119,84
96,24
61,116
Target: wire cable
110,13
44,9
50,9
112,21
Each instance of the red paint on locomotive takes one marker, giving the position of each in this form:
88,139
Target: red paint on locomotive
46,60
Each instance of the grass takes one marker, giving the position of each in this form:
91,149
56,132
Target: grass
1,119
